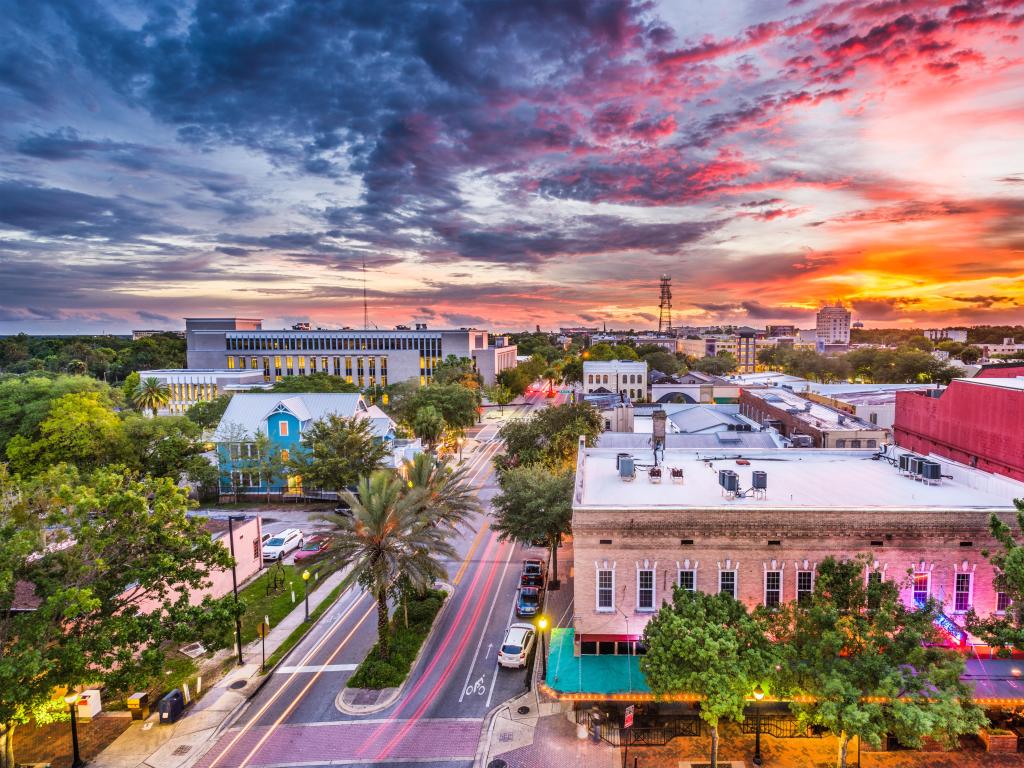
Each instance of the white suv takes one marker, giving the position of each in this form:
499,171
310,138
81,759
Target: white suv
519,639
280,544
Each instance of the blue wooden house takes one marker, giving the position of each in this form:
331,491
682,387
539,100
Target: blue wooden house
283,418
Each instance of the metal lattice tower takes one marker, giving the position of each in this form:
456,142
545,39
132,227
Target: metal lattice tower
665,308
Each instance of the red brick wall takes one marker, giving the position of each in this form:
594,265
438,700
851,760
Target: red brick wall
975,424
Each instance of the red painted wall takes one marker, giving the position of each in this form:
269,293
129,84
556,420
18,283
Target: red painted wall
976,424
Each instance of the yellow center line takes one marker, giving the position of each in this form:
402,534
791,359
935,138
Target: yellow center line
472,550
308,657
304,691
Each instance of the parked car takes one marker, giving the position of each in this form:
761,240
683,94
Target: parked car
532,574
528,601
282,543
314,547
263,539
515,648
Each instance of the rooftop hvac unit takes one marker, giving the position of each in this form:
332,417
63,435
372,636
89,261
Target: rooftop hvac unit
905,462
915,465
931,471
627,470
729,480
760,480
619,458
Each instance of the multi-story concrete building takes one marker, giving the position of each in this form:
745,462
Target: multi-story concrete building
947,334
635,537
187,387
874,403
977,422
1008,347
627,377
364,358
774,331
808,423
833,326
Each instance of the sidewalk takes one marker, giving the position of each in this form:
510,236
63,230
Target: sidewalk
151,745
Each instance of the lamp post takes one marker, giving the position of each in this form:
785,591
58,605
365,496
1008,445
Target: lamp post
72,702
305,582
460,441
234,581
758,695
542,624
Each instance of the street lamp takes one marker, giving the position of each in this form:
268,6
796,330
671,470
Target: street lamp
232,519
542,624
305,582
72,702
758,695
460,441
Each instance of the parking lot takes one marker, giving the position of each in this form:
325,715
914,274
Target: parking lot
279,518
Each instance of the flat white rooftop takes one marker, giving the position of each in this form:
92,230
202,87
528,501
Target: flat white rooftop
797,479
1014,383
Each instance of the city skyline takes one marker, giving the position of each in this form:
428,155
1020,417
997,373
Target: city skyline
511,164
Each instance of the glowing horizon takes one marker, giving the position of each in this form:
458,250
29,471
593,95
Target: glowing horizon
509,164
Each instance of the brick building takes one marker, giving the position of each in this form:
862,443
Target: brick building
635,539
977,422
809,423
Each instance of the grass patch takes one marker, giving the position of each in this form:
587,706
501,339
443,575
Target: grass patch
300,631
259,602
377,673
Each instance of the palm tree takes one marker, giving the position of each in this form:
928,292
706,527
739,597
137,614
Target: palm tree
152,394
448,497
388,537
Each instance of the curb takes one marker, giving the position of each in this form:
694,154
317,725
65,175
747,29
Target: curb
361,711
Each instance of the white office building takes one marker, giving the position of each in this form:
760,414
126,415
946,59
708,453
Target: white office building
627,377
833,325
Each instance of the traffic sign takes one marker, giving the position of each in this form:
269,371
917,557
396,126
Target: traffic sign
263,629
629,717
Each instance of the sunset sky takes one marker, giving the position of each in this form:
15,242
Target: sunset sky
510,162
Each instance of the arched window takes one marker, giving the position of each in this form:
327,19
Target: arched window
590,378
606,378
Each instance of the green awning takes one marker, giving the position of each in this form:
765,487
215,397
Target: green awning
590,674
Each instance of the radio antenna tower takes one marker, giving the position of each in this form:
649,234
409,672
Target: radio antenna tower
665,308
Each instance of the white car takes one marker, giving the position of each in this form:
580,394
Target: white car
516,646
280,544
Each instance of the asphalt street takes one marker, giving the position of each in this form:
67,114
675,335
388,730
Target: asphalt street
437,720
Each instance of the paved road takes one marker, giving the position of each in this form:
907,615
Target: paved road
437,721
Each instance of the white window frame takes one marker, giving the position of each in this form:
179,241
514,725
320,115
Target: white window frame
913,586
654,590
282,428
735,581
969,593
679,578
798,590
597,596
779,574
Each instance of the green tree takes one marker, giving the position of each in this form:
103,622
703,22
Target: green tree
314,382
81,430
457,370
572,371
663,361
338,451
872,665
970,355
719,365
501,396
169,446
549,437
428,425
456,404
448,498
1005,632
25,400
151,394
130,386
104,613
534,505
708,645
516,380
606,351
208,413
389,536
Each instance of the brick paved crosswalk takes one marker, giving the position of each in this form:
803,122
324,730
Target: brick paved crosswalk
427,739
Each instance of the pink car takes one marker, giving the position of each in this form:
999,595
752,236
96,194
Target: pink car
314,547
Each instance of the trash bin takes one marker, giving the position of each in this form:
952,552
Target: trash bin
89,705
171,706
138,705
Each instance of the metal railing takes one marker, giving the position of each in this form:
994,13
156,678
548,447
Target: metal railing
779,726
640,735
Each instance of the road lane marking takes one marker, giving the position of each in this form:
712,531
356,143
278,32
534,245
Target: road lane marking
472,550
291,707
429,698
494,677
316,647
317,668
455,626
487,622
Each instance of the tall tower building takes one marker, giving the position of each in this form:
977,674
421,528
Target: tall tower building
665,307
833,325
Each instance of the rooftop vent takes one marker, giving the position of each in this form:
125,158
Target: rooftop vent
627,470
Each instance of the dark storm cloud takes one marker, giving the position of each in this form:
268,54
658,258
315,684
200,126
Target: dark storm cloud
882,309
155,317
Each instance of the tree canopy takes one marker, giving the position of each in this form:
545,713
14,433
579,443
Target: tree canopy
549,437
338,452
25,401
314,382
535,505
1005,632
456,404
